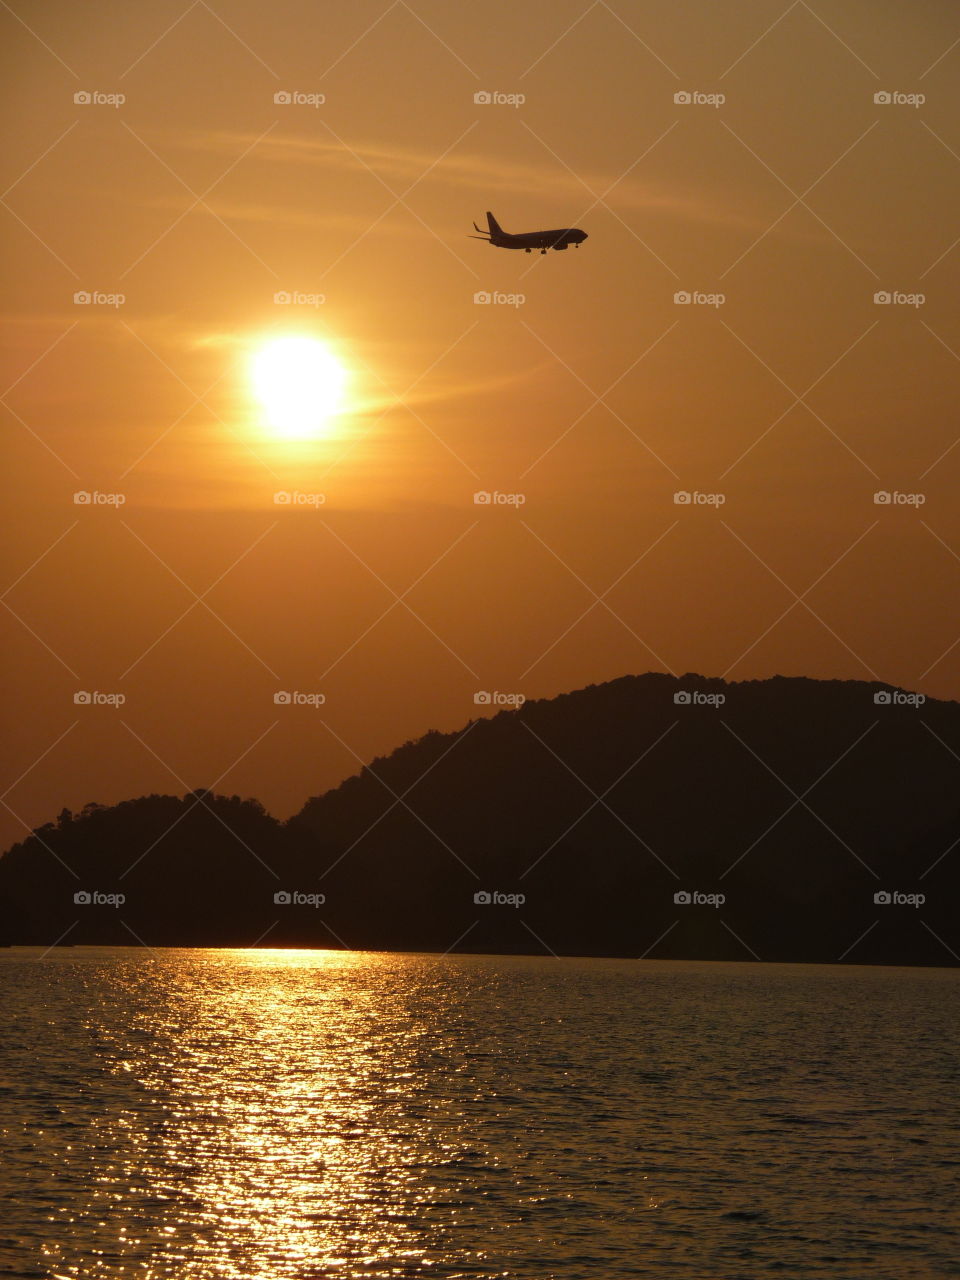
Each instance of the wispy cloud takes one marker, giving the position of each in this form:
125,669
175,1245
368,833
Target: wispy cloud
490,174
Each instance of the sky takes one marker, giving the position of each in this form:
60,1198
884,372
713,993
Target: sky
762,321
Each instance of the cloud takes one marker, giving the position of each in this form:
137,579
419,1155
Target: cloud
492,175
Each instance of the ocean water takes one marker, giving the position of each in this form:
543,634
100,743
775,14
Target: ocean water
210,1115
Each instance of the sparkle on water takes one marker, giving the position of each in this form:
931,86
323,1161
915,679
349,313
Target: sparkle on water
274,1115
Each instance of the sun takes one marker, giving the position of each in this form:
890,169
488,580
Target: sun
301,384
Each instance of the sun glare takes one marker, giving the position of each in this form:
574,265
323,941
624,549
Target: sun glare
301,385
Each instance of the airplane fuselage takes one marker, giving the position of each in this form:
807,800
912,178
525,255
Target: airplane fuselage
530,240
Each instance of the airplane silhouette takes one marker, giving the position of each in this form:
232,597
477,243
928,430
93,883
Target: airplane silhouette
530,240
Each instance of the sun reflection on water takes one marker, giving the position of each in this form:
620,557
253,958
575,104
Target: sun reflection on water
275,1146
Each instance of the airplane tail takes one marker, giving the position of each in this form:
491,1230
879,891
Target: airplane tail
494,225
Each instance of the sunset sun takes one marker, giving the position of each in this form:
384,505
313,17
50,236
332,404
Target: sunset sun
300,384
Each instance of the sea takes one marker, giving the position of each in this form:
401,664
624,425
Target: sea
291,1115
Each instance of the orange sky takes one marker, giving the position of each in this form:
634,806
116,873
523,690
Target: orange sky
198,198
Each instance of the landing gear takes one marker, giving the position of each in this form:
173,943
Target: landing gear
527,251
543,251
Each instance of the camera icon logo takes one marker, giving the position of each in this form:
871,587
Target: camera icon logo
81,298
882,298
482,699
682,898
882,898
482,298
482,898
882,98
282,98
882,498
282,299
482,98
682,498
81,698
681,698
682,98
81,498
481,498
282,698
82,98
282,498
682,298
282,898
882,698
82,898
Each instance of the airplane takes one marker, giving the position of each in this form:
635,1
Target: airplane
530,240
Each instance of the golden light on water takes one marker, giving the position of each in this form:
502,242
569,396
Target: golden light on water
301,384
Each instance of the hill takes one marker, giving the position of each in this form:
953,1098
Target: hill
685,818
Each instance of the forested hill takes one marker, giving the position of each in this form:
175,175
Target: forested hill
781,808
